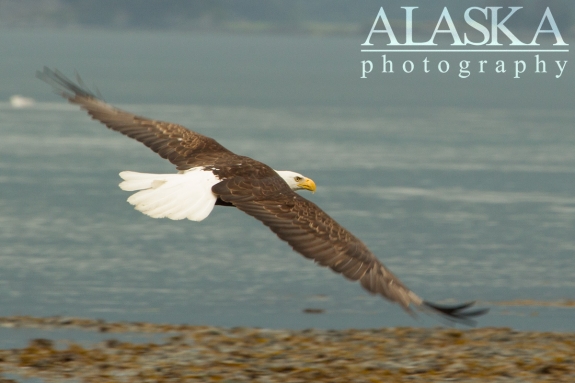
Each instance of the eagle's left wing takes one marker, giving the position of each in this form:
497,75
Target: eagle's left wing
315,235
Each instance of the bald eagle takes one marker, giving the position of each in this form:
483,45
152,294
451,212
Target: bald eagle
209,175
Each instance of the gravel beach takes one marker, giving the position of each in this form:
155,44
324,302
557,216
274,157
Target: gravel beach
212,354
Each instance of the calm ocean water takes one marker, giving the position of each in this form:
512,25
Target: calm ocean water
462,203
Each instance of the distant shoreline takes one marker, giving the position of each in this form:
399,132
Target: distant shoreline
237,27
244,27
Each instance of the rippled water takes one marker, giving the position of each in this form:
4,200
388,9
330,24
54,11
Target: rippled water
461,203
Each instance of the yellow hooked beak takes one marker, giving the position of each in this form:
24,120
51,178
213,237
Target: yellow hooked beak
307,184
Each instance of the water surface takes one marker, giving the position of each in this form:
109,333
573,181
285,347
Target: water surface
463,203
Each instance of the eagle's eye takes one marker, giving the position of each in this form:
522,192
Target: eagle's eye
298,179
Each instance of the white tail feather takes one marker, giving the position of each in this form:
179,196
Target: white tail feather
140,181
174,196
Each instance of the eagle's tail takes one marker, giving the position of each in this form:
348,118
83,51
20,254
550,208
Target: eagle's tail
174,196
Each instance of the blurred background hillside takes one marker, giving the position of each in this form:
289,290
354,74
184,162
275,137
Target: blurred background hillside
276,16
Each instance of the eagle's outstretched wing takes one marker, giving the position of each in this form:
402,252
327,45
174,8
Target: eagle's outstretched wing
317,236
182,147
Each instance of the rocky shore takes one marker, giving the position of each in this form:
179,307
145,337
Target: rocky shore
211,354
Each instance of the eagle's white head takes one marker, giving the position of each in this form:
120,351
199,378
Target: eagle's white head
296,181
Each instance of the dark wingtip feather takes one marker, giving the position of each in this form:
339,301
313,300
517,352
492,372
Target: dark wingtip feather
457,313
62,85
